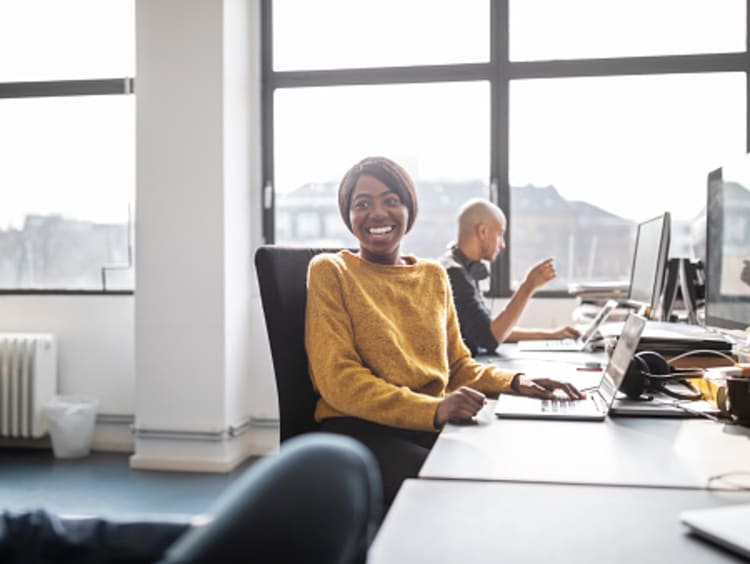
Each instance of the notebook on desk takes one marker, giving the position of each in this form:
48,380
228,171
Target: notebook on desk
673,338
662,405
597,404
579,344
725,526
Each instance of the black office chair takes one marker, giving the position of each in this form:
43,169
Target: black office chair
282,277
318,500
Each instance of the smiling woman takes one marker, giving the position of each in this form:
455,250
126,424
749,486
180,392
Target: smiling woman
378,204
381,333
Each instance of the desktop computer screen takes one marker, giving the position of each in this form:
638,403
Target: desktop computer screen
728,246
649,262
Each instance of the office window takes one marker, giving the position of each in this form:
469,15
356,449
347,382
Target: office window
74,39
584,107
591,157
68,145
586,29
335,34
439,132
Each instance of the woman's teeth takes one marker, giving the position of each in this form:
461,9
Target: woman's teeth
380,230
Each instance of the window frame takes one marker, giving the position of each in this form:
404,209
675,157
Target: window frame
499,71
57,88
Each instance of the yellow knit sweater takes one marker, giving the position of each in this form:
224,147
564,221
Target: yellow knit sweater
383,342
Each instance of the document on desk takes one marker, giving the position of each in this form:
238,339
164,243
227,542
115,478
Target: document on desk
672,338
662,405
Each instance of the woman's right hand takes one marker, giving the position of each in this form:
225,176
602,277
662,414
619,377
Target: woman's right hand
460,405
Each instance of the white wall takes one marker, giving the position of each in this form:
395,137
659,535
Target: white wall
198,167
95,342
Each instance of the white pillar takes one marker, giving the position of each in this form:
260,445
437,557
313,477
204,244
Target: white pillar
197,222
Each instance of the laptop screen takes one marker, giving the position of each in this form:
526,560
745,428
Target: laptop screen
600,318
626,346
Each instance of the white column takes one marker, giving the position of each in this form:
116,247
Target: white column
197,223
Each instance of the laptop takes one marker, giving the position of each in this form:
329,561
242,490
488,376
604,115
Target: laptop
726,526
598,402
579,344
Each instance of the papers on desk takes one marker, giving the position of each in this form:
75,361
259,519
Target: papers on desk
672,338
661,405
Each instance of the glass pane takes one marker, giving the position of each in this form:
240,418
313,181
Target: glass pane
591,157
75,39
328,34
438,132
68,182
551,29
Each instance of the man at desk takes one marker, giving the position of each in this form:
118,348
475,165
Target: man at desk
481,237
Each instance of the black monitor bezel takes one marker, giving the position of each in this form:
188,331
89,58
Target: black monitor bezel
661,266
714,206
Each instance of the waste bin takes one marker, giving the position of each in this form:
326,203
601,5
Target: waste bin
71,425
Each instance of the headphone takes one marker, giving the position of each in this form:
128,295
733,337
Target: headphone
650,371
477,269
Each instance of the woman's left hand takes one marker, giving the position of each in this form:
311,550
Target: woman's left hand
544,387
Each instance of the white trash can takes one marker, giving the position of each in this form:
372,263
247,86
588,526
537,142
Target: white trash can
71,425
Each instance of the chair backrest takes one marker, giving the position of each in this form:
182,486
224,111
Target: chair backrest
317,500
282,277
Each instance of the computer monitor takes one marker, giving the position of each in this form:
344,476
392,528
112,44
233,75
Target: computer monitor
649,263
728,246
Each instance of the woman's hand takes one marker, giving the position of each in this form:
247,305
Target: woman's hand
544,387
462,404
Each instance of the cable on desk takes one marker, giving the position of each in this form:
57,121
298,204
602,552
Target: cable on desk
729,479
677,404
699,351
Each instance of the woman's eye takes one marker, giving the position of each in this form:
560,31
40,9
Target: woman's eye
360,205
393,201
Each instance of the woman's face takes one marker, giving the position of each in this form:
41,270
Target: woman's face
379,219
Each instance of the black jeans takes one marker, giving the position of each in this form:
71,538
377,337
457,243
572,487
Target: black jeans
400,453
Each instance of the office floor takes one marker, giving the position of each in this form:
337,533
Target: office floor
103,484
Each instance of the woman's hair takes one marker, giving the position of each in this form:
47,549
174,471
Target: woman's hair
389,173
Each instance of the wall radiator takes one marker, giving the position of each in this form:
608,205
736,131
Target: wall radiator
28,380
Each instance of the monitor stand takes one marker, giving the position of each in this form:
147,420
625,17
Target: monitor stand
687,275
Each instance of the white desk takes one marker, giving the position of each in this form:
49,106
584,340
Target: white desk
630,451
489,522
532,491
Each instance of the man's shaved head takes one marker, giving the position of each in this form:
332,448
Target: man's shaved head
476,212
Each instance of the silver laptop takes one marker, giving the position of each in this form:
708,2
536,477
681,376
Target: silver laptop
726,526
579,344
598,402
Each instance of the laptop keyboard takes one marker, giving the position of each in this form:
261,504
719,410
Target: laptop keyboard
562,405
554,343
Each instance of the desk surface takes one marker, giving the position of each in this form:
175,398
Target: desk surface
630,451
454,521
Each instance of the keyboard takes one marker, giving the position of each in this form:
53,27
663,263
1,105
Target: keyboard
565,405
560,343
550,344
